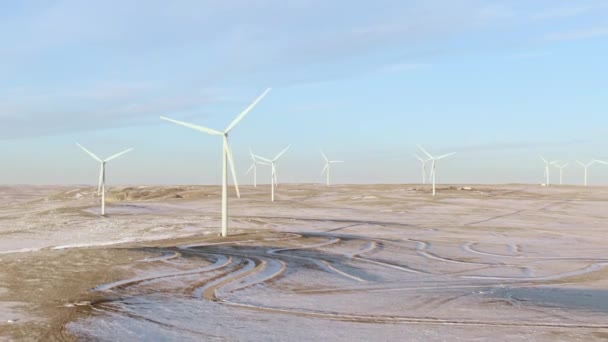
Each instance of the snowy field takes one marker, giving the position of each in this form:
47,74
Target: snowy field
357,262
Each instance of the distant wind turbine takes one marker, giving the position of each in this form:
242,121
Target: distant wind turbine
561,172
586,167
101,186
271,162
226,155
434,164
327,167
423,163
254,168
547,164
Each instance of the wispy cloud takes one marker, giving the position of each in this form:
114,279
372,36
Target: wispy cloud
570,10
579,34
71,50
328,106
404,67
30,113
511,145
529,55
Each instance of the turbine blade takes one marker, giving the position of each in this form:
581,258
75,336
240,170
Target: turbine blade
262,158
445,155
600,161
282,153
252,155
90,153
250,168
232,168
418,157
324,156
425,152
336,161
118,154
324,169
246,111
193,126
545,160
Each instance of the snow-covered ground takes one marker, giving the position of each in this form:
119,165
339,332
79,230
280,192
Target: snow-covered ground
364,262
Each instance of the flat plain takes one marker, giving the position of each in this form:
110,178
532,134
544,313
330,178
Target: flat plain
349,262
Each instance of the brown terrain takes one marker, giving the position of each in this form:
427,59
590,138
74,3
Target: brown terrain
350,262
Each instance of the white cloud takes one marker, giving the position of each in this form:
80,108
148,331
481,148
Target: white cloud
571,10
529,55
27,113
404,67
578,34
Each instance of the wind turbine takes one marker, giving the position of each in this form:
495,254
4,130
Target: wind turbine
271,162
226,155
547,163
561,172
423,162
254,168
101,186
586,166
328,165
434,164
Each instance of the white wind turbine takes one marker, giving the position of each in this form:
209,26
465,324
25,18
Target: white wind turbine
327,167
254,168
101,186
586,167
434,164
561,172
226,155
423,163
547,163
271,162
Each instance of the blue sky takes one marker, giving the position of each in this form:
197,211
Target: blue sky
499,82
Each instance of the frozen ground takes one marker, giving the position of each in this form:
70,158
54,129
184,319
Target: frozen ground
368,262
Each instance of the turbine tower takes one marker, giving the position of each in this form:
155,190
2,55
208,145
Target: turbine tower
327,167
561,172
226,155
434,164
101,186
271,162
586,167
423,163
547,164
